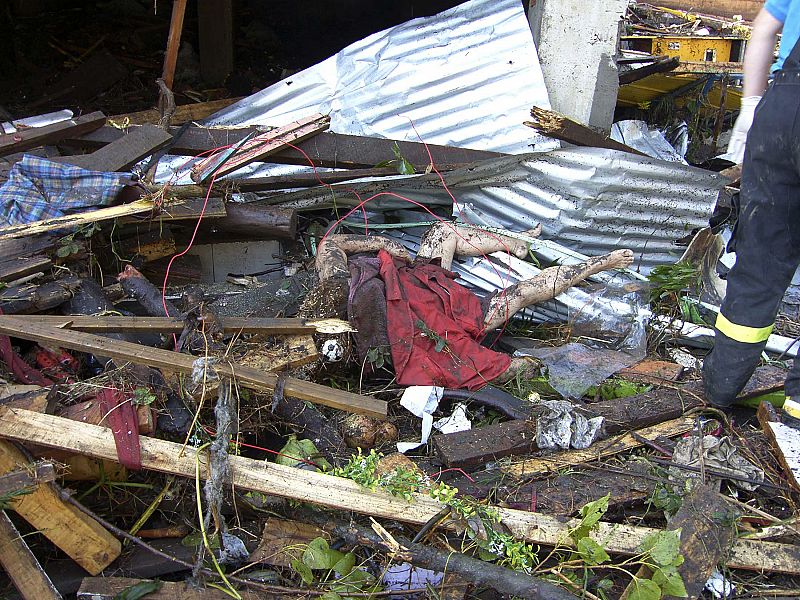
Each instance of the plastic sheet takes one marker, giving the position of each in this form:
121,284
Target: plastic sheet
559,426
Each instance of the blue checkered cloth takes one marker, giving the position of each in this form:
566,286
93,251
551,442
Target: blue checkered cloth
38,189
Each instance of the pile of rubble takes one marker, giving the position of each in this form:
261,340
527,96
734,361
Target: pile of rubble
378,348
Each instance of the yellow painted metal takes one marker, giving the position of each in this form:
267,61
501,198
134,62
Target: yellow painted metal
644,91
689,48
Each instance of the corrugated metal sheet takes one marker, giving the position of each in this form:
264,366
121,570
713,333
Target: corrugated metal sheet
466,77
590,200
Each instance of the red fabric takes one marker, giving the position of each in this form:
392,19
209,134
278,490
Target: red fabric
22,370
124,423
428,293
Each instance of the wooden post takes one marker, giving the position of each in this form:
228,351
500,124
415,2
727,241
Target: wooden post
215,24
21,565
174,41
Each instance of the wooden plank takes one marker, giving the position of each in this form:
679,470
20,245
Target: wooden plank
79,536
189,209
183,113
785,442
31,476
34,398
21,565
173,41
26,139
109,588
475,447
327,149
114,324
184,363
259,147
656,372
554,125
344,494
21,266
550,463
215,28
123,153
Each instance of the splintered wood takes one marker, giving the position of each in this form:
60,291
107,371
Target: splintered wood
344,494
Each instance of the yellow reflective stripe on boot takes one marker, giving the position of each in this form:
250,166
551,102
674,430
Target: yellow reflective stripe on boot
792,407
742,333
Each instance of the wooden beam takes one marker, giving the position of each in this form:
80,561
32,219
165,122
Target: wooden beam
184,363
21,565
215,28
173,41
554,125
27,139
662,65
122,154
327,149
114,324
344,494
259,147
82,538
475,447
21,266
31,476
92,216
550,463
183,113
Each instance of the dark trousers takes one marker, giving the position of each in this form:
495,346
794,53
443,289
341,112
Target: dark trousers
766,240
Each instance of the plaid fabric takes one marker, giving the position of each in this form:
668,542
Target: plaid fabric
38,189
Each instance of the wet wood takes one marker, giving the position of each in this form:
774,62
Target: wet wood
252,222
656,372
35,398
25,299
475,447
80,537
184,363
147,245
343,494
21,266
27,139
183,113
29,477
21,565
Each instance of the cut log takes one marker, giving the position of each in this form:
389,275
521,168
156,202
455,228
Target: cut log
79,536
343,494
138,286
184,363
252,222
785,442
26,139
21,565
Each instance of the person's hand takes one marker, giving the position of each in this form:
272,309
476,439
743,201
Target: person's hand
741,127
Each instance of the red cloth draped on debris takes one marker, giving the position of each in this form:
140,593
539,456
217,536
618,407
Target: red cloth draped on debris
424,298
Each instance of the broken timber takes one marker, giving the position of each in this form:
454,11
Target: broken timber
258,147
327,149
112,324
344,494
785,441
122,154
78,535
549,463
41,472
185,363
26,139
21,565
554,125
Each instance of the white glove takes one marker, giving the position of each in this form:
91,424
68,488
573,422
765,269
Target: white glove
741,127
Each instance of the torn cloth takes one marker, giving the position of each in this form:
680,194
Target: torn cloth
434,325
39,189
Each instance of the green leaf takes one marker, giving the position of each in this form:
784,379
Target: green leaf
330,596
440,344
666,547
345,564
357,580
644,589
590,513
384,163
318,555
405,168
193,540
139,590
304,571
592,552
63,251
670,582
296,452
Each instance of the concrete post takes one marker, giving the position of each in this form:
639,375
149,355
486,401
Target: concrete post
577,42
